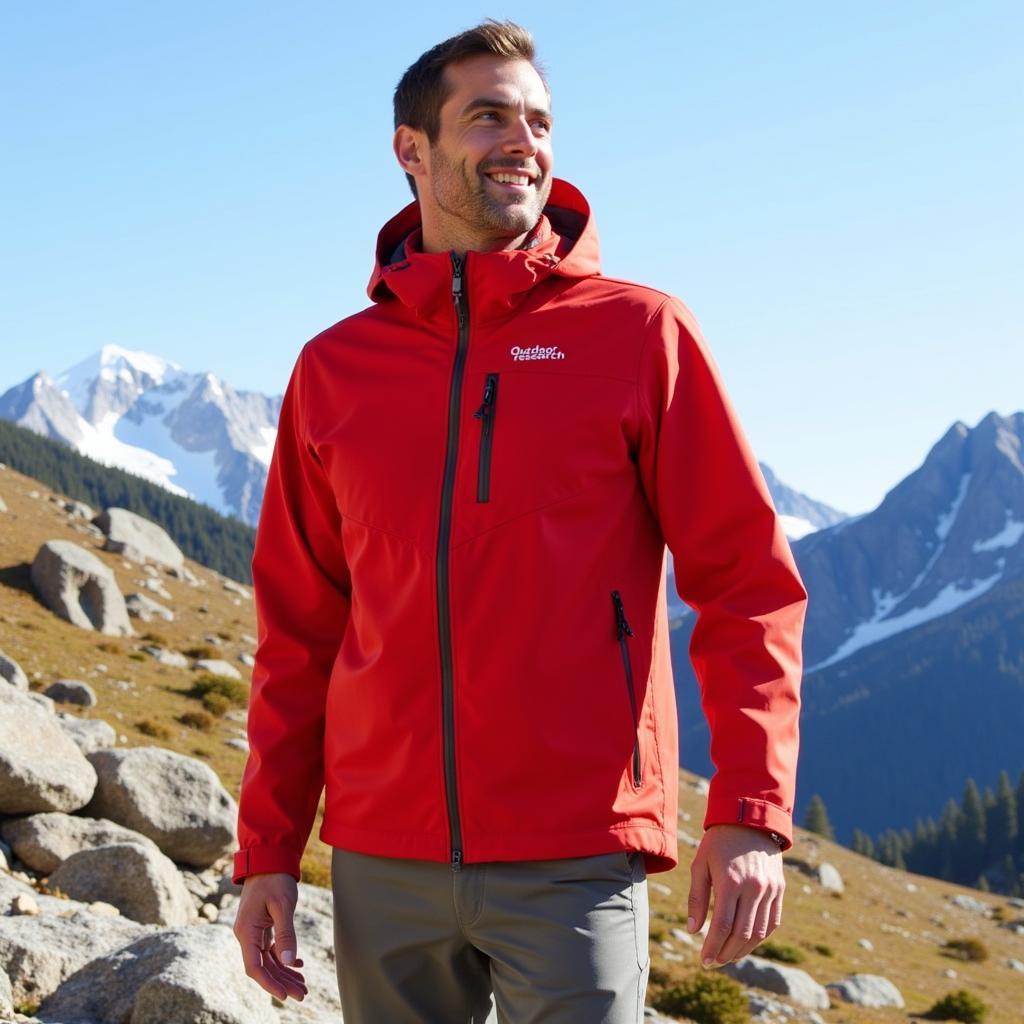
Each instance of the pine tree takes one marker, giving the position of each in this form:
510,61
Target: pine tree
1011,879
1004,822
970,852
816,818
862,843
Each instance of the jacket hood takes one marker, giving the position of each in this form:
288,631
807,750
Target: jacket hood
563,241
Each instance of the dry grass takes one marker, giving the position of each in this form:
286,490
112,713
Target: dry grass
876,904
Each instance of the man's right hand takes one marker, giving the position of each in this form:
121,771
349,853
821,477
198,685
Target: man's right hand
265,929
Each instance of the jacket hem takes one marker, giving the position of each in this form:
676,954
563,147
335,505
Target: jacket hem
660,848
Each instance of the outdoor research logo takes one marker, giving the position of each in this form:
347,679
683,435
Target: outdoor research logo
536,352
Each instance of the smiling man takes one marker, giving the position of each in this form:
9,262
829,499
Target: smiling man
459,578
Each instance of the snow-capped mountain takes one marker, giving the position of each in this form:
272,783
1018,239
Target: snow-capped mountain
190,432
942,537
800,514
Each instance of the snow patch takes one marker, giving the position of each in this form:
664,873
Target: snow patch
1007,537
877,628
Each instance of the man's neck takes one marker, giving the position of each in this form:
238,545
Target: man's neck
433,240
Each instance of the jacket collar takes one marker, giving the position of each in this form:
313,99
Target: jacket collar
563,242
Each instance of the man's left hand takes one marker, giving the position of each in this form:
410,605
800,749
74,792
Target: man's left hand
743,865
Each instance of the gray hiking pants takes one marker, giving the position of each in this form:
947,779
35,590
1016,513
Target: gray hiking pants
556,941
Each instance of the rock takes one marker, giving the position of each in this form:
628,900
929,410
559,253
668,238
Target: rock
156,587
208,912
40,952
180,976
866,944
146,609
138,538
866,990
78,509
165,657
829,877
1015,965
72,691
6,993
11,671
239,743
796,985
88,733
970,903
140,881
46,703
41,768
237,588
183,572
24,905
661,887
77,586
218,667
247,659
176,801
949,973
43,841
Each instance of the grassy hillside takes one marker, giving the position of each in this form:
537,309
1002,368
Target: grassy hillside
221,542
905,917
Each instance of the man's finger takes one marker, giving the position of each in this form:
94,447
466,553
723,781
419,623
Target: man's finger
722,919
700,889
750,928
252,957
284,931
292,982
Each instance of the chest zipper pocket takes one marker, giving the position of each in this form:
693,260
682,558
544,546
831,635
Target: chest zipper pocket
486,413
623,630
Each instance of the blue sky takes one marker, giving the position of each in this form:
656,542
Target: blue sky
834,190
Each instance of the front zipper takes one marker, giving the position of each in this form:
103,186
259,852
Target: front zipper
624,630
460,300
486,413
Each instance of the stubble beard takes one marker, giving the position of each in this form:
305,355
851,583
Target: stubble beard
465,196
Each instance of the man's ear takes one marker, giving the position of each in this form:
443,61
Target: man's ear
411,150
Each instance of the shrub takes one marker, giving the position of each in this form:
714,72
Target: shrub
706,999
201,720
959,1005
156,638
315,873
966,949
157,730
223,634
216,703
108,647
824,950
200,651
200,752
137,656
234,691
772,949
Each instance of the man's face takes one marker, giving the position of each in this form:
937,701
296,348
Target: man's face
496,119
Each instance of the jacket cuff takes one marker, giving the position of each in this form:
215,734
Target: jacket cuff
261,860
754,813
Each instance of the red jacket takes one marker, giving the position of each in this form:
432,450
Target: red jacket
459,570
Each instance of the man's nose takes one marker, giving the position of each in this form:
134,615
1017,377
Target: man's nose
520,137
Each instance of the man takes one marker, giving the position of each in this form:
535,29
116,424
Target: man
460,586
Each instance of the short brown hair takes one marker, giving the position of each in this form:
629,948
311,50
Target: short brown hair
423,88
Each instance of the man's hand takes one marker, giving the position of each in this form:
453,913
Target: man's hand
265,930
744,867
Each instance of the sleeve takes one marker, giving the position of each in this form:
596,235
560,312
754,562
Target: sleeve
302,593
733,567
